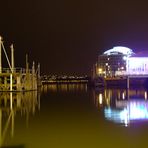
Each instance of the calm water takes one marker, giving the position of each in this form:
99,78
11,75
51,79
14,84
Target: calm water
74,116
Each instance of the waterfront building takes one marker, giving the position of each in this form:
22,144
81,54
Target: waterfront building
121,66
113,61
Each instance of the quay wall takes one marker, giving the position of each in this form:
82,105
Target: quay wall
121,82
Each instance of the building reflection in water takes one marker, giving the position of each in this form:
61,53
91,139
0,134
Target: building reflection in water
123,106
12,103
64,87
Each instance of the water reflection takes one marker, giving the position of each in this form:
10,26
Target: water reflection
10,105
64,87
122,105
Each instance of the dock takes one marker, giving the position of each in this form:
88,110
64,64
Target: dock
122,82
17,79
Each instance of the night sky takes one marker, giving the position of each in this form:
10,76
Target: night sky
66,36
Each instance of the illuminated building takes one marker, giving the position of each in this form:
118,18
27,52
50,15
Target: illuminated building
140,68
113,61
120,66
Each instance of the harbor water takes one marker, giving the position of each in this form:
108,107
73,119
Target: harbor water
74,116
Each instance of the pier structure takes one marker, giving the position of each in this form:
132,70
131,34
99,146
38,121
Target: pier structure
17,79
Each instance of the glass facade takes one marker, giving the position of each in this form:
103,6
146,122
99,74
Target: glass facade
113,62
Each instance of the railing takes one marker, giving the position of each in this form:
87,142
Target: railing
15,70
131,73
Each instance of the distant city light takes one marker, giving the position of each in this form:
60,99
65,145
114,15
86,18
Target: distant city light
119,49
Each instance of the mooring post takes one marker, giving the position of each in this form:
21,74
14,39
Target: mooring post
39,70
33,75
27,64
0,54
12,58
127,82
11,82
38,75
0,127
127,93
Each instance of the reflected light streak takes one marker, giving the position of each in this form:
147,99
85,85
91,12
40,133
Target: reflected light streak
107,102
100,99
64,87
133,111
11,103
122,106
123,96
145,95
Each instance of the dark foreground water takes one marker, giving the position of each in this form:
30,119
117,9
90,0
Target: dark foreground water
73,116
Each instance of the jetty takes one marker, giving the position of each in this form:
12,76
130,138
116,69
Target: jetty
17,79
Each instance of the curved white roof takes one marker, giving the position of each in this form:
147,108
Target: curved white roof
119,49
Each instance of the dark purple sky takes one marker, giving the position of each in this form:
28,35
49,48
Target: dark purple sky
66,36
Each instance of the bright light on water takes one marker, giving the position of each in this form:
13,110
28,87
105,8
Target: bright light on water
127,111
74,116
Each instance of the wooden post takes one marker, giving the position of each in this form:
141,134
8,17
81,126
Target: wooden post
27,64
39,70
127,82
11,82
93,72
5,82
127,92
33,76
0,127
12,58
18,82
0,54
38,76
27,86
